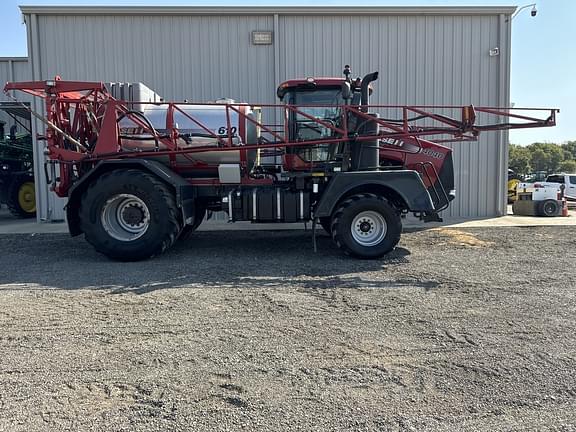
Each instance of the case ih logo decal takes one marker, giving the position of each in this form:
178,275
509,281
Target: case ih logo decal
393,142
432,153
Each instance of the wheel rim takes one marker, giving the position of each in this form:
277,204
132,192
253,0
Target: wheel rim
125,217
27,197
549,208
369,228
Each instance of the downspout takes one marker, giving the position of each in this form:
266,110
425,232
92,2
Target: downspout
504,42
40,188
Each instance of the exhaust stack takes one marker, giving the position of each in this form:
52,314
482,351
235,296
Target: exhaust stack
364,90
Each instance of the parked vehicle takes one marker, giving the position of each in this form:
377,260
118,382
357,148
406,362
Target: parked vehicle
540,199
17,188
513,181
141,174
567,180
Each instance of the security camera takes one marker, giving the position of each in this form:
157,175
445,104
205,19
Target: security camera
533,12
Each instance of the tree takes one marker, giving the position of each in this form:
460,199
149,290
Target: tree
538,159
567,166
519,159
546,156
569,147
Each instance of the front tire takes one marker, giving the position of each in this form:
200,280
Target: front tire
366,226
129,215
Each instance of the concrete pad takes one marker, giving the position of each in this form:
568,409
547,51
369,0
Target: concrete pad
11,225
516,221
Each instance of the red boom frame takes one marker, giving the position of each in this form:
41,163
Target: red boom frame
82,121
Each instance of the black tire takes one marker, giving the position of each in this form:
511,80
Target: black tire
21,198
188,230
549,208
326,223
381,210
153,207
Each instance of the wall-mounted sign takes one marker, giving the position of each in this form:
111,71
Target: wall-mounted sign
261,37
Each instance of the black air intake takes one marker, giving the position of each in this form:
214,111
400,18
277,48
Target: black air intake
365,155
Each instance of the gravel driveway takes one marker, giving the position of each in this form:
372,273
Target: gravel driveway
455,330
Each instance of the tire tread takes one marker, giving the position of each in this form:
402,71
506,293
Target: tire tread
165,195
337,230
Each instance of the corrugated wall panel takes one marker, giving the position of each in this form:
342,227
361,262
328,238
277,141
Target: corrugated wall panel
199,58
181,57
422,60
12,69
5,75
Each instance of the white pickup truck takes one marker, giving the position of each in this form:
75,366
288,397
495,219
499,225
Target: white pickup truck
545,198
569,182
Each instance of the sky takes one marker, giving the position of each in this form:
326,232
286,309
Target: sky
543,49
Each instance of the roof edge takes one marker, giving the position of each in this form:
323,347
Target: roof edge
17,59
266,10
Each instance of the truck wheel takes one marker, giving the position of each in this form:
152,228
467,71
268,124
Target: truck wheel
129,215
366,226
188,230
548,208
22,197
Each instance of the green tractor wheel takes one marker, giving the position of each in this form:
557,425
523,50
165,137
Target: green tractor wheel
22,197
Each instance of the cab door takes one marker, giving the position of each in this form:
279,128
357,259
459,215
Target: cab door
571,187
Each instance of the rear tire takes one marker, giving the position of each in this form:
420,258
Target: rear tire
129,215
549,208
366,226
22,197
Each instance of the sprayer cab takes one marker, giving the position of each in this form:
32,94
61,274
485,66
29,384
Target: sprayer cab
321,101
346,90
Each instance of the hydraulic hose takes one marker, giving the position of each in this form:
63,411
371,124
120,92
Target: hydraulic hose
145,120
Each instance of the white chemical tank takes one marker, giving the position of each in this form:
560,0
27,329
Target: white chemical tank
212,117
195,123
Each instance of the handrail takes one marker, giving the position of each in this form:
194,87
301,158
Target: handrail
435,186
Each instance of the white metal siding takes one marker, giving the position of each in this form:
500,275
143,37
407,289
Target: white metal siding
12,69
423,58
181,57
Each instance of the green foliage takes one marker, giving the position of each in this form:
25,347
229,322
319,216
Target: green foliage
567,166
519,159
546,157
570,148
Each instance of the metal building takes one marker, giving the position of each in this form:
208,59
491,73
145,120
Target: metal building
12,68
425,55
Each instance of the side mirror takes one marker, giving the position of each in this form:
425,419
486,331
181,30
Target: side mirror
346,91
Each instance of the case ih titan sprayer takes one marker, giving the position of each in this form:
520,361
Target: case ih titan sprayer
138,175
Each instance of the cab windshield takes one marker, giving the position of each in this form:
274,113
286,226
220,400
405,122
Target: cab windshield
327,103
324,105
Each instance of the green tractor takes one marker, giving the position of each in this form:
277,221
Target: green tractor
513,181
17,189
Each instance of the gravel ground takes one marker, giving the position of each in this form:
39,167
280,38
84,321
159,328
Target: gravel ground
455,330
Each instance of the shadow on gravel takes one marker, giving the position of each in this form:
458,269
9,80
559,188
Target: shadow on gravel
222,259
